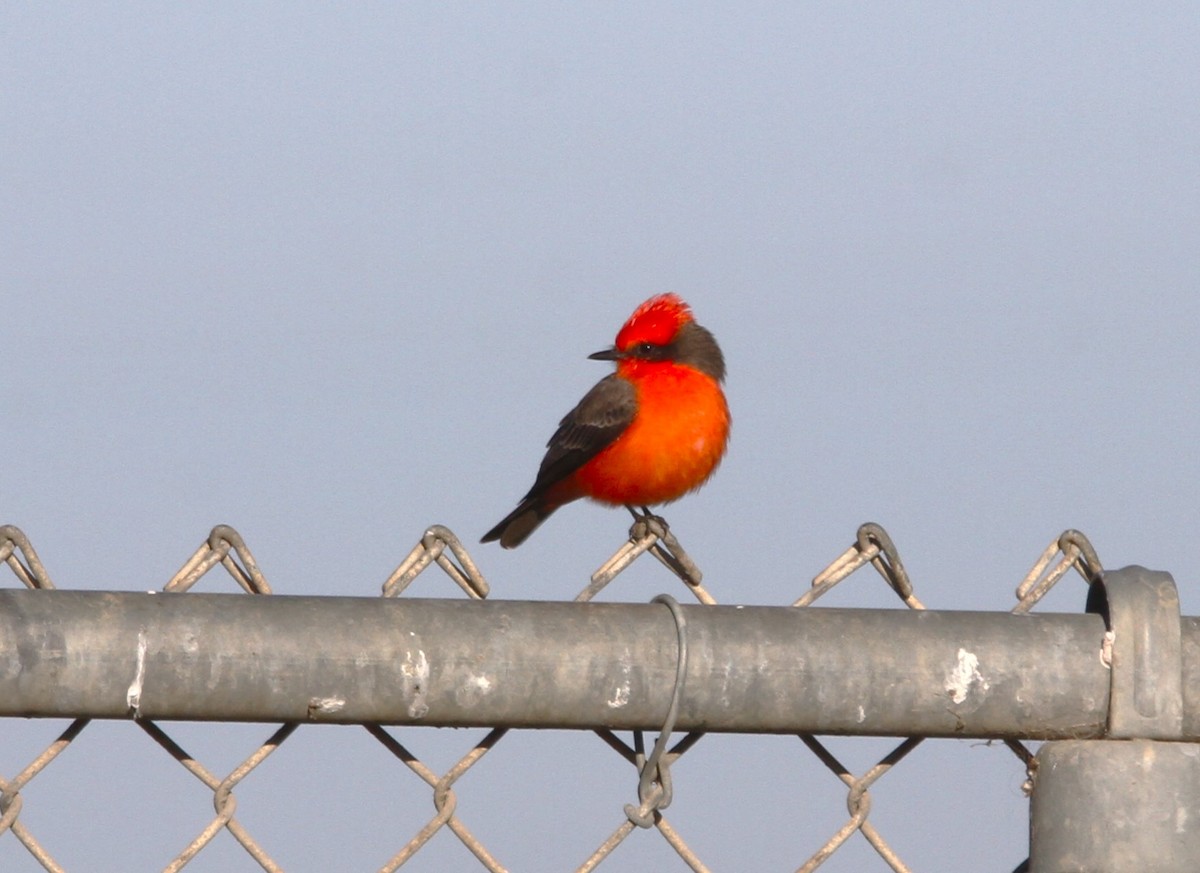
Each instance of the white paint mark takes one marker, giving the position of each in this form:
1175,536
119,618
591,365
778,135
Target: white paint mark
621,694
862,714
1106,648
726,678
473,689
415,672
133,697
964,676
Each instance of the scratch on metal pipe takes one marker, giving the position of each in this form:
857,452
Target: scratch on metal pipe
133,697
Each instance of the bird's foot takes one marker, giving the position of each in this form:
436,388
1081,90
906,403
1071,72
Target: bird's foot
665,546
645,521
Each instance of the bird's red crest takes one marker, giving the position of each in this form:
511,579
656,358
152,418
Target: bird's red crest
655,321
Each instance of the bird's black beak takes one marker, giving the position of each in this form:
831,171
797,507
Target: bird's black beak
606,355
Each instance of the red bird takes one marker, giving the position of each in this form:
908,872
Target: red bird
649,433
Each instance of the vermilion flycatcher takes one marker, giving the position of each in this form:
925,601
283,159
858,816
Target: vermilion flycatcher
648,433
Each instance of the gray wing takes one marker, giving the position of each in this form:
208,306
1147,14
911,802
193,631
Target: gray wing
599,418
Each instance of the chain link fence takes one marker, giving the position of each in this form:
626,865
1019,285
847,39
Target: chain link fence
650,761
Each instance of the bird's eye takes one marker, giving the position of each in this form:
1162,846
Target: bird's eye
646,350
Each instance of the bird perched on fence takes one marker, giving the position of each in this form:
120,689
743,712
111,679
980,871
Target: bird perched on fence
646,434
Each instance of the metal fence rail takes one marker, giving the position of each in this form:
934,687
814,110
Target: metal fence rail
1117,688
518,664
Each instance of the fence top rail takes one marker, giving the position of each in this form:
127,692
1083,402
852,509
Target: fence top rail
528,664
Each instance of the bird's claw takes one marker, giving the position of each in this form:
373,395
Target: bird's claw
646,522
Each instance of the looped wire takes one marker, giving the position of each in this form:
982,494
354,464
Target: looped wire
872,546
654,781
444,799
667,548
31,571
858,803
1073,550
10,808
649,533
11,802
1086,561
222,545
431,548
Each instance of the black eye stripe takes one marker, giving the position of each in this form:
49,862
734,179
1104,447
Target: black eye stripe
652,352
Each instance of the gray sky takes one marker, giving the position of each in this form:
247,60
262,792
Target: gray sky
329,274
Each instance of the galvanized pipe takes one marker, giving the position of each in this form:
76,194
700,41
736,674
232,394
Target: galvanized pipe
235,657
1120,806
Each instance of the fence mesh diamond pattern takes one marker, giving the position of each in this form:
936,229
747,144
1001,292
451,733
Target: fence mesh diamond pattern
651,787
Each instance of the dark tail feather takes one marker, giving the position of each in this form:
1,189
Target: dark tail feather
520,523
